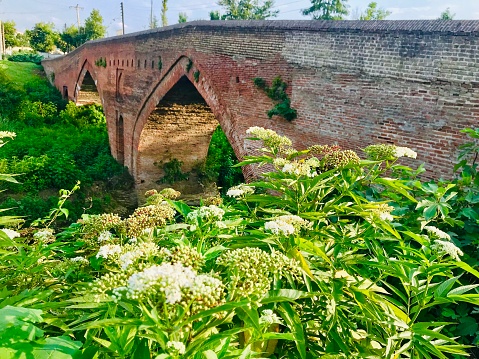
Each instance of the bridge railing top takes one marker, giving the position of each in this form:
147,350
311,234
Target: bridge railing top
445,27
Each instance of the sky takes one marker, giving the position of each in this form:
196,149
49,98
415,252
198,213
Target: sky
26,13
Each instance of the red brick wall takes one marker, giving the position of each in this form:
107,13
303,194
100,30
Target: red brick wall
411,83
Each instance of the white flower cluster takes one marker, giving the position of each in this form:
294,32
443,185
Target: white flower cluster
240,190
269,137
404,152
448,248
174,282
138,251
437,232
211,212
109,250
286,225
268,317
10,233
105,236
45,235
383,211
175,348
299,168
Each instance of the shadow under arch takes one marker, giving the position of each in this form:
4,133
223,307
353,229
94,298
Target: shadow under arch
86,70
204,87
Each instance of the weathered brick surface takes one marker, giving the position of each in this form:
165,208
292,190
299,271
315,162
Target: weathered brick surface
411,83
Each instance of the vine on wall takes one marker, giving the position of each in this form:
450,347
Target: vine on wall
277,92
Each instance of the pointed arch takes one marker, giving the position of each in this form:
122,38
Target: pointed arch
86,69
170,78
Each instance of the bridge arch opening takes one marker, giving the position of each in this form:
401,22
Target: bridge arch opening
178,131
88,91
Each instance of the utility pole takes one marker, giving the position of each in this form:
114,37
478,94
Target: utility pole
2,40
78,8
151,15
122,18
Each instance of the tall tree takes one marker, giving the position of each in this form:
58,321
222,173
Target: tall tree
94,28
447,15
69,39
182,17
12,36
247,9
43,37
164,8
327,9
373,12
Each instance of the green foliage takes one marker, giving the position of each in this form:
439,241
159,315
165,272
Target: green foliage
327,9
173,172
220,162
324,256
164,8
182,17
447,15
72,37
101,62
12,37
21,337
372,12
43,37
196,75
160,63
189,65
94,28
26,57
246,10
277,92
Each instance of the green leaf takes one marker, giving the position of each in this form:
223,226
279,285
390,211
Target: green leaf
142,351
209,354
284,295
56,348
445,287
294,324
467,326
430,212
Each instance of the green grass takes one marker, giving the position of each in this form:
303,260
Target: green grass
21,72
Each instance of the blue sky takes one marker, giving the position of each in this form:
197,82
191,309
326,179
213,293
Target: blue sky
26,13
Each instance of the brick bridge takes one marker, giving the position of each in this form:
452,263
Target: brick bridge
411,83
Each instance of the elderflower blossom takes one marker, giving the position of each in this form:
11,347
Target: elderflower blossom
176,347
447,248
404,152
300,168
144,250
170,279
148,217
239,190
383,211
108,250
437,232
210,212
45,235
286,224
268,317
269,137
10,233
105,236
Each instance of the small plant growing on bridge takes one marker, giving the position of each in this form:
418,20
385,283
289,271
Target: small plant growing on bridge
160,63
173,172
277,92
101,62
196,75
189,65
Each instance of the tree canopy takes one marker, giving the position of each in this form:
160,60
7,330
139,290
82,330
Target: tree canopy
327,9
12,37
447,15
373,12
43,37
246,10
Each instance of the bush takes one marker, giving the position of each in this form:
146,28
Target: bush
26,57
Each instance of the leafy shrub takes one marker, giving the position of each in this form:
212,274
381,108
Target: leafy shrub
26,57
219,163
81,116
173,172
